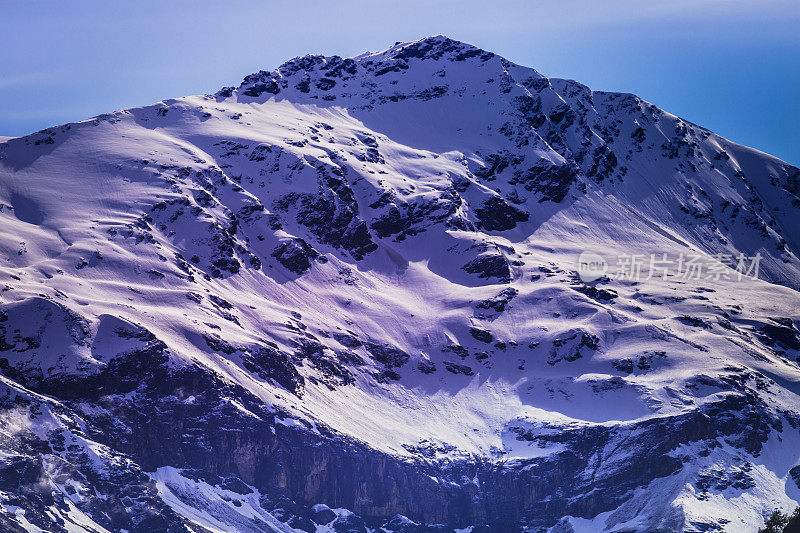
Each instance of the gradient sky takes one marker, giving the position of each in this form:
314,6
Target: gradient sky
730,65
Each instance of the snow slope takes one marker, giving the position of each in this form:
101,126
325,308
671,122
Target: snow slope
350,286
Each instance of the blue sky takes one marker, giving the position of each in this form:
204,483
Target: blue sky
730,65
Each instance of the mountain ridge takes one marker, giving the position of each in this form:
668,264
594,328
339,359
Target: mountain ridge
357,305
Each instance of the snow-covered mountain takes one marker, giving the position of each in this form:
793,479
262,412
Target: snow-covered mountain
344,296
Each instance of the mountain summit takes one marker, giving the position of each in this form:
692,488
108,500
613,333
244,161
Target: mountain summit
424,289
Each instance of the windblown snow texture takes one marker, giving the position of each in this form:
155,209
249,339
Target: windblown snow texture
342,296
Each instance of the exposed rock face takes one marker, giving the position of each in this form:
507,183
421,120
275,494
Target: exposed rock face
296,255
344,295
490,266
186,418
496,215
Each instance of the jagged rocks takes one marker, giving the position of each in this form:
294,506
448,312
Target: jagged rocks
345,339
490,266
481,335
495,164
643,363
332,371
261,84
794,473
572,347
388,355
332,216
271,364
495,214
295,254
405,219
42,339
597,293
784,334
552,181
491,307
456,368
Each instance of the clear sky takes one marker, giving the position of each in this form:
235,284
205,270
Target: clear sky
730,65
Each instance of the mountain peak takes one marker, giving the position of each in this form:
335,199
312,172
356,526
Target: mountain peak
320,72
435,47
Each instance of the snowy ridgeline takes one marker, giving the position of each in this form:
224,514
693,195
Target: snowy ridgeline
344,296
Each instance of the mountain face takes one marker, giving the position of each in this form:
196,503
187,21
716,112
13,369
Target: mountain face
346,295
